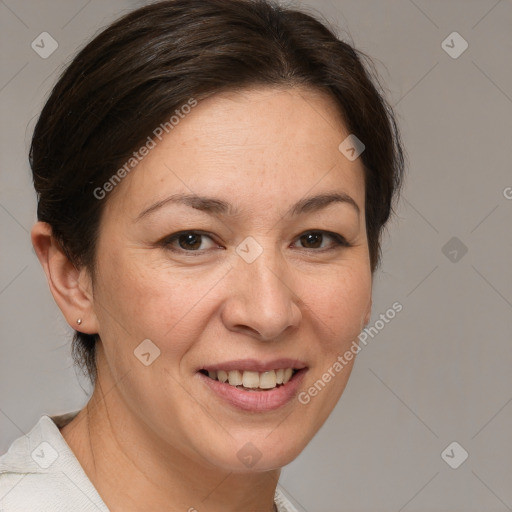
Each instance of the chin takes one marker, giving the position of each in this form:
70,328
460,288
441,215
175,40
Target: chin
257,452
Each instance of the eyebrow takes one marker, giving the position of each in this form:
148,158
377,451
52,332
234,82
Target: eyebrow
219,207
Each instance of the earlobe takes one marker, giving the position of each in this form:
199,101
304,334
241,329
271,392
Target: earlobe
71,287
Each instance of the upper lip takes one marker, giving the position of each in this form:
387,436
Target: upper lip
254,365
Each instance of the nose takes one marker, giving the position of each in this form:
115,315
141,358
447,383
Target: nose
262,301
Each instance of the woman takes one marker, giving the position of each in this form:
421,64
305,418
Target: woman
213,177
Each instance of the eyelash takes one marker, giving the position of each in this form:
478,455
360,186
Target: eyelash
339,241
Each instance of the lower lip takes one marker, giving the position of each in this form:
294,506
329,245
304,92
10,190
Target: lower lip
256,401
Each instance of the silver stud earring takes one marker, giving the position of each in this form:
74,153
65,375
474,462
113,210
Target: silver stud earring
79,321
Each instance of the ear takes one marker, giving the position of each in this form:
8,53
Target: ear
71,287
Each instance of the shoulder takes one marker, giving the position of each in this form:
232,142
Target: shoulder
282,502
40,472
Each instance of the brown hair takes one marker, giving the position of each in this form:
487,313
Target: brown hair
133,75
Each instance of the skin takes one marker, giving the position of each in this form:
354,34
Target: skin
155,437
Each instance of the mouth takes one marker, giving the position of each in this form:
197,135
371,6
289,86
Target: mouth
254,381
254,385
255,391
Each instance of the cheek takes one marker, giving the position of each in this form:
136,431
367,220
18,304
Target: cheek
338,309
153,301
341,304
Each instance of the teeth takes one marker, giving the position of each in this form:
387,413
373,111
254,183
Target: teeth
222,376
268,380
253,380
235,378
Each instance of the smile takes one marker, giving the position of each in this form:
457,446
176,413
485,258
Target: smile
254,391
250,380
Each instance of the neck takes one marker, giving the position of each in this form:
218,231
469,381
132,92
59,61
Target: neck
132,469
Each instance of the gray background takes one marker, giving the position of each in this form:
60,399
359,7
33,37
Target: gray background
440,371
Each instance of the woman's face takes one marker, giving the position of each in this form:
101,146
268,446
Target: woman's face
257,279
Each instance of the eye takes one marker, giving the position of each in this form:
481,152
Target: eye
314,240
197,241
190,241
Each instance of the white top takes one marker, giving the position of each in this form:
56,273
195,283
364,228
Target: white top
40,473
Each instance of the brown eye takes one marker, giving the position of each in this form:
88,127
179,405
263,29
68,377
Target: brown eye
189,241
312,240
315,239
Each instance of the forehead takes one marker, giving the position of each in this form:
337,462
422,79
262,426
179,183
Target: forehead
247,145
